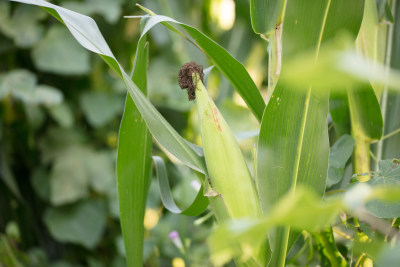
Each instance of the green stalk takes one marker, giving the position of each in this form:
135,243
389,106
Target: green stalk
361,147
279,252
274,58
328,250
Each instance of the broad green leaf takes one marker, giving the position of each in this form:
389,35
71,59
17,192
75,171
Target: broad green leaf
339,154
101,172
20,84
293,145
82,223
133,164
93,103
86,32
110,10
58,46
47,96
23,26
62,114
75,168
389,257
68,177
198,205
302,210
388,176
266,15
229,66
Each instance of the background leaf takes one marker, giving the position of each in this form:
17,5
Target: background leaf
93,103
22,26
339,154
388,176
58,46
82,223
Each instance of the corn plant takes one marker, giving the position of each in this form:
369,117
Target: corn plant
331,57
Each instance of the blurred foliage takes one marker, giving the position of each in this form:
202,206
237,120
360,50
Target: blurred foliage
60,108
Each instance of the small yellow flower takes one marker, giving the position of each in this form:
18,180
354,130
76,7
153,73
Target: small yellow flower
178,262
151,218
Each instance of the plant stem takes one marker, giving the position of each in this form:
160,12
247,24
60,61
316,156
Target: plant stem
361,148
279,251
388,55
274,59
327,249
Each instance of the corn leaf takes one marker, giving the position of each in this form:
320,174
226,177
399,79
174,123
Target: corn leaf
198,205
133,165
293,147
86,32
266,14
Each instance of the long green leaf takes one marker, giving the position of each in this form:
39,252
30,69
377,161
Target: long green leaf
293,145
228,65
198,205
133,165
86,32
266,15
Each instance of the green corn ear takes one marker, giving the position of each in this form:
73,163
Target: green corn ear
232,191
229,175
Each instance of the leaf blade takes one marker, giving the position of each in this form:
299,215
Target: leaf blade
198,205
133,165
